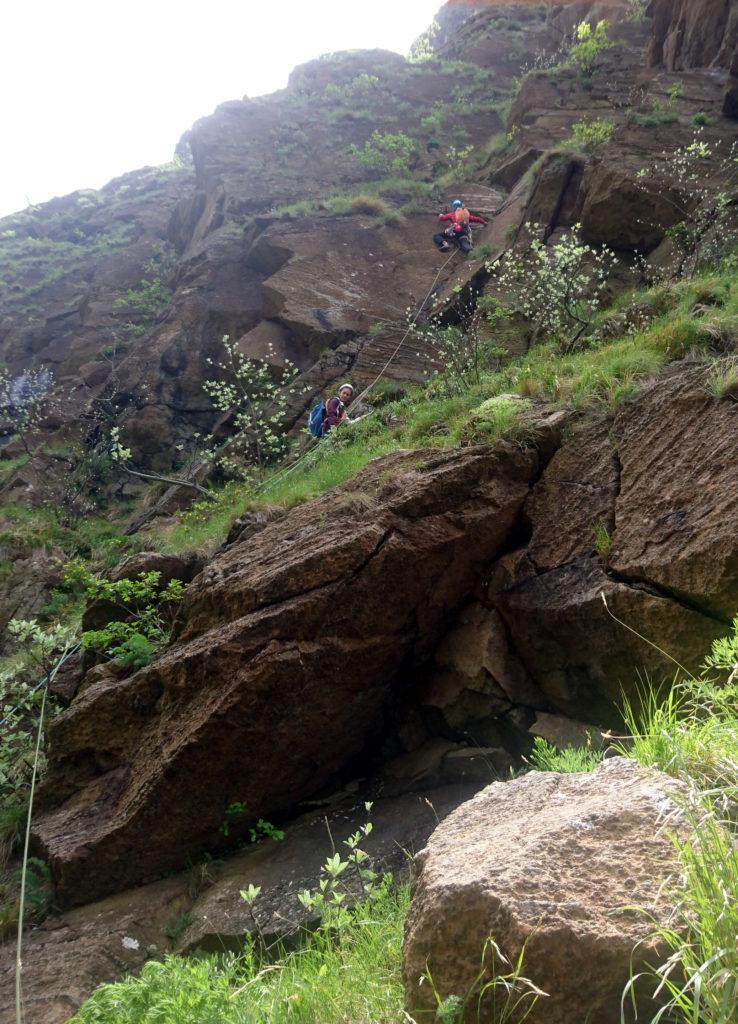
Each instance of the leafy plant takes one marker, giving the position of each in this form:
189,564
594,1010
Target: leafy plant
329,900
590,45
699,183
386,152
144,304
147,608
176,928
591,134
233,813
256,398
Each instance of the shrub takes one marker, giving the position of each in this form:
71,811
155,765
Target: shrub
386,152
146,609
557,288
706,232
590,45
591,134
701,119
256,397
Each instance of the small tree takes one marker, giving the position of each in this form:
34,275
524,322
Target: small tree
256,397
25,404
590,45
557,288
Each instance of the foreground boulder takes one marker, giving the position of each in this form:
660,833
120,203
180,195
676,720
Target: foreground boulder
293,643
554,863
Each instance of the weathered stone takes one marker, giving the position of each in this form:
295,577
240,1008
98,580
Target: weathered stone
551,863
676,515
563,732
290,646
401,826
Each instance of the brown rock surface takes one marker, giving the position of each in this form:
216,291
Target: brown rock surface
693,33
550,861
402,825
671,572
70,954
290,647
67,957
676,515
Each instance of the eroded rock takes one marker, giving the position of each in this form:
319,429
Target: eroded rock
292,643
553,863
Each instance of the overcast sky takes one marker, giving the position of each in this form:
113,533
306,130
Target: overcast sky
91,90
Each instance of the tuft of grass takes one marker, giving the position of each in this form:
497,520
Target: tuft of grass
353,974
602,540
547,758
692,734
722,381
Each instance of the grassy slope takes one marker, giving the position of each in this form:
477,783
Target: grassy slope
698,317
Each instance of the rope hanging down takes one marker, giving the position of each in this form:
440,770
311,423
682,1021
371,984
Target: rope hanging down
289,469
24,865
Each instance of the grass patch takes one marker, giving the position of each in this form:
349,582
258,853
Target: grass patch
692,734
547,758
353,975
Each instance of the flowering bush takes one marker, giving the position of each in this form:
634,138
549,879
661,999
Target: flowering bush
702,192
557,288
257,399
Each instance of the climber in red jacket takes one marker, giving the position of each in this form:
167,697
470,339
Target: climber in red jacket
459,232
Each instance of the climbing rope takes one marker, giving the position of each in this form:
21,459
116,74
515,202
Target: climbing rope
311,447
24,865
44,681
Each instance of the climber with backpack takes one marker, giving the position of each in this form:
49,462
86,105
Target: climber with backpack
458,233
326,415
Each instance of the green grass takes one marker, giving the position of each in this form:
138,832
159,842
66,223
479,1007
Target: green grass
547,758
353,977
692,734
602,375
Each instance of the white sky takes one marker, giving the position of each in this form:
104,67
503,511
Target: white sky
91,89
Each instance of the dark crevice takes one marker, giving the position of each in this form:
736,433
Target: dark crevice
618,470
647,586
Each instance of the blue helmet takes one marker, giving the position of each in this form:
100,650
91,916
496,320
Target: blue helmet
457,204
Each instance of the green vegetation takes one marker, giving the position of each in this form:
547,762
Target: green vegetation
545,757
602,541
353,976
590,45
590,134
450,408
145,608
692,734
386,152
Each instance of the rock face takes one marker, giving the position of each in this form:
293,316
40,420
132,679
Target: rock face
552,863
454,597
292,644
694,33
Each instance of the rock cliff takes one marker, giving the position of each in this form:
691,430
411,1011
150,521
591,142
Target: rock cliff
418,625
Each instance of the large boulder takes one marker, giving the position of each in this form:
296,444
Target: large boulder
291,645
557,865
671,571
